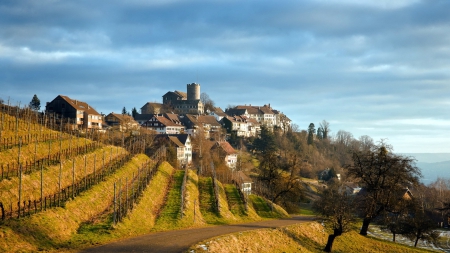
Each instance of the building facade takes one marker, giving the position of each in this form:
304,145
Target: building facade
83,116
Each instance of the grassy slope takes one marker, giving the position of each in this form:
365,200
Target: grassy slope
31,183
306,237
263,209
45,229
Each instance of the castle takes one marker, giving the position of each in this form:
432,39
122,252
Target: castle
185,102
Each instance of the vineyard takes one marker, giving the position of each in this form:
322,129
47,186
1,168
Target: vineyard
61,190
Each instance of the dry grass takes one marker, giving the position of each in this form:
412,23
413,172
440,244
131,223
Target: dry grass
306,237
31,186
47,230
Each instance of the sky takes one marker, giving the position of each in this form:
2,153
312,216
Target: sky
379,68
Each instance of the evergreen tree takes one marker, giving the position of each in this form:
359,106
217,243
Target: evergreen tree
265,143
124,111
35,103
311,132
134,112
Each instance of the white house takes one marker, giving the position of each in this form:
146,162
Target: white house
167,123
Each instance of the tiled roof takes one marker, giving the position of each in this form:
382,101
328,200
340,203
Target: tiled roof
202,119
175,140
256,109
80,105
181,137
166,121
241,177
180,93
153,104
226,147
123,117
237,119
172,117
143,117
218,111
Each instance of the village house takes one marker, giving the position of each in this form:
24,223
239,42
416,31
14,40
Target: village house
182,144
265,115
205,123
243,181
241,125
167,123
218,113
226,152
122,121
82,115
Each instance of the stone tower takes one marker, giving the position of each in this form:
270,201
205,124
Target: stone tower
193,91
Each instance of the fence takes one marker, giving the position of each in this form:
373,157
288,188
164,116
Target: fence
126,194
29,207
12,169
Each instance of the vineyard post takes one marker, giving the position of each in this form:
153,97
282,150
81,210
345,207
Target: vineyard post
35,149
1,125
59,183
49,149
73,178
20,147
70,144
42,183
20,186
95,159
120,198
126,189
114,212
85,173
17,121
103,165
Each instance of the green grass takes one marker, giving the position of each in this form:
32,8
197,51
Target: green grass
263,208
208,202
170,213
235,202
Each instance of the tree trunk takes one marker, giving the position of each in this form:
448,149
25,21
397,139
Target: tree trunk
393,237
417,240
337,232
329,243
365,226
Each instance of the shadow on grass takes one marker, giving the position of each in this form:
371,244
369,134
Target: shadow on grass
303,241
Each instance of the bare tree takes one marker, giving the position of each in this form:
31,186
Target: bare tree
208,103
382,174
337,208
325,126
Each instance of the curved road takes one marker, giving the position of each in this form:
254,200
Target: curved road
180,240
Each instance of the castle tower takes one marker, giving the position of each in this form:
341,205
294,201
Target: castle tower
193,91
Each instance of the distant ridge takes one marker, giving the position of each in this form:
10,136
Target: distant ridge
429,157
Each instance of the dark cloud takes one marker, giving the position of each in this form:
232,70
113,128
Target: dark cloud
378,68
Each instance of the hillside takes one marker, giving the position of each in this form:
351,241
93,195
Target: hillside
307,237
71,193
62,193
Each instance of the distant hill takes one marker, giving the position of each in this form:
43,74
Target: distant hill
433,165
431,171
429,157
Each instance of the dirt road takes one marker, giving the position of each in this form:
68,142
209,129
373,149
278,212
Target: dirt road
180,240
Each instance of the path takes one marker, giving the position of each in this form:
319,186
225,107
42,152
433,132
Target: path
180,240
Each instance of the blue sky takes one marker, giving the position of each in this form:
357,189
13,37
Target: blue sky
377,68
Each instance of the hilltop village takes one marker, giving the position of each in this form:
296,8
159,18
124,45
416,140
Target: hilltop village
180,117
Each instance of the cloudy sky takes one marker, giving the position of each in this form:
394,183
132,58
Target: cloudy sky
379,68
